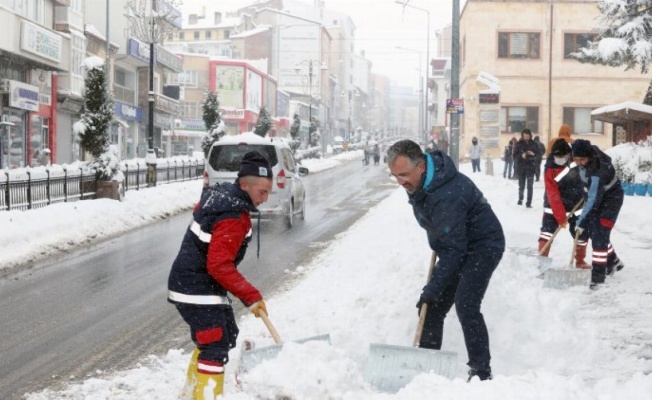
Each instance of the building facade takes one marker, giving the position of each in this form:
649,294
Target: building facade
517,73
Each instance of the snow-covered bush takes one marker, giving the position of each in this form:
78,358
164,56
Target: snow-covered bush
632,162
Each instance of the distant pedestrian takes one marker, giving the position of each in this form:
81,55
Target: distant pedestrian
525,156
475,153
508,158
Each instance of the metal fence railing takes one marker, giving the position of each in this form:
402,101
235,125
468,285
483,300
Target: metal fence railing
25,189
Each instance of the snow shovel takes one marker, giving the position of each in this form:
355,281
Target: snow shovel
571,276
546,262
389,367
251,356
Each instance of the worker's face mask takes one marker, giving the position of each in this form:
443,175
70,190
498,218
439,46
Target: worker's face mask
561,160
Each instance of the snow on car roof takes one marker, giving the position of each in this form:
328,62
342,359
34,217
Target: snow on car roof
251,138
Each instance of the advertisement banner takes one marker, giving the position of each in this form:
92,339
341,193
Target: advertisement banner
230,85
254,91
23,96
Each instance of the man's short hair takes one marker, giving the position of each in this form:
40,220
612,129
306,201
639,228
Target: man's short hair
406,148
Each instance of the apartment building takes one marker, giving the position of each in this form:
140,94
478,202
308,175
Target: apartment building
36,64
516,72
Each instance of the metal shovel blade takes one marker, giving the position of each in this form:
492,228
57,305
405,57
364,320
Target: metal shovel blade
251,358
565,278
544,263
389,367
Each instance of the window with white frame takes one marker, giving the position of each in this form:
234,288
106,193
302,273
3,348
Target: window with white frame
514,119
33,10
77,54
518,45
191,110
579,119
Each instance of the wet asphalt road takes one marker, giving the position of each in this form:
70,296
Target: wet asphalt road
104,307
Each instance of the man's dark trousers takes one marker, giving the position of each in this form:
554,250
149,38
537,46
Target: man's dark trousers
466,291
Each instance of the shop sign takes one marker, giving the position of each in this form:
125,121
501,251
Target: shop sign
41,42
138,50
489,98
190,124
127,111
168,59
71,106
162,120
232,113
167,105
42,79
24,96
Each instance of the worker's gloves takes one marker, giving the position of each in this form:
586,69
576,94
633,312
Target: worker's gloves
564,224
426,298
257,307
579,230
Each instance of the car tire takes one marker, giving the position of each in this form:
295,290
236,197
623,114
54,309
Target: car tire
289,219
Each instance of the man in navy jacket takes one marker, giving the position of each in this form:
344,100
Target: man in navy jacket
205,270
469,241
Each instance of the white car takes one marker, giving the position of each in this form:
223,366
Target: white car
338,144
288,197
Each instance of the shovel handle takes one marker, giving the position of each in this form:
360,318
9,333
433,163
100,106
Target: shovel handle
424,306
571,264
549,243
270,327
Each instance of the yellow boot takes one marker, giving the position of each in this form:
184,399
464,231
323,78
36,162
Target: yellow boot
208,386
191,380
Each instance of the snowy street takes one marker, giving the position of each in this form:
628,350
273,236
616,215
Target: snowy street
363,287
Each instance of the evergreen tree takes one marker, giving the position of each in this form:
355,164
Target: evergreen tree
648,95
624,35
93,128
264,123
313,133
296,125
212,121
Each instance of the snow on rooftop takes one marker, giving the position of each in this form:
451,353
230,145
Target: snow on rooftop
627,105
251,32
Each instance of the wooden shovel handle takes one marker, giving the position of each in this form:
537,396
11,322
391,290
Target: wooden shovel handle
424,306
549,243
270,327
571,264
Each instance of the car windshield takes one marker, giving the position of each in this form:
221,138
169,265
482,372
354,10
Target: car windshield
227,157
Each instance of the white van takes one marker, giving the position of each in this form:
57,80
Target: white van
288,197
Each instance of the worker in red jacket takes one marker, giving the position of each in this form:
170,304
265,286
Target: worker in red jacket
205,271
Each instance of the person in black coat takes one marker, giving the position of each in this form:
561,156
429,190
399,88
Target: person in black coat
467,237
603,199
509,160
205,270
542,151
525,155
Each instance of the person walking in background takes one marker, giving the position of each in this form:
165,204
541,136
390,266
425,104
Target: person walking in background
205,270
475,152
508,158
467,237
563,133
564,190
603,200
542,151
515,164
525,156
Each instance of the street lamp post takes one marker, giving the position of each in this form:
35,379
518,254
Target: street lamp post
405,4
422,107
310,75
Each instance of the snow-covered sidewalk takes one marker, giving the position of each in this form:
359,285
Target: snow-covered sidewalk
546,344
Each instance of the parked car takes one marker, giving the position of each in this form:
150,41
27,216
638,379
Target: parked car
338,144
288,197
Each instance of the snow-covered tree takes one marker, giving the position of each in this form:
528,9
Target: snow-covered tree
648,95
624,35
314,134
264,123
212,121
294,133
93,128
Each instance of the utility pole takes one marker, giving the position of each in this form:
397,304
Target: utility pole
455,84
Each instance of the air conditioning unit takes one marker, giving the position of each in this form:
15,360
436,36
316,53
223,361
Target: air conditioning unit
4,85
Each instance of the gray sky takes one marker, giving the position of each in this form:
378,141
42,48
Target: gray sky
381,26
384,24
